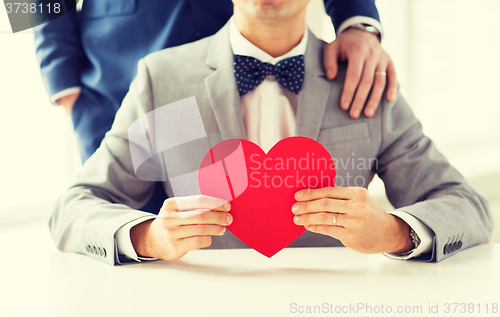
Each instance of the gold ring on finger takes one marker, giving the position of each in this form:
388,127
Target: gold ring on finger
381,73
335,216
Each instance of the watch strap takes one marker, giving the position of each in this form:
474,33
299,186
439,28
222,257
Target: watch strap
416,242
367,28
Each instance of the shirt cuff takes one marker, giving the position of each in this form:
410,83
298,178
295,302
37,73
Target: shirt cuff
360,19
124,244
424,233
64,93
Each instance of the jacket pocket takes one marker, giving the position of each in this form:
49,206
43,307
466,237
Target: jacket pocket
104,8
342,134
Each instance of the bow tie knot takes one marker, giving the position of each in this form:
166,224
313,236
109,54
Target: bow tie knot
269,69
250,72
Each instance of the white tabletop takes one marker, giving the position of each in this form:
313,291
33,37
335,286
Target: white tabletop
38,280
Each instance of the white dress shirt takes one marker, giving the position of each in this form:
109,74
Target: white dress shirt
268,110
269,116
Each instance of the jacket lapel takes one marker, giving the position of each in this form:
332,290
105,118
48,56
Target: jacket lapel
315,92
221,87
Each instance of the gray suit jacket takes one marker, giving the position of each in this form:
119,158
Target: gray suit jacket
418,179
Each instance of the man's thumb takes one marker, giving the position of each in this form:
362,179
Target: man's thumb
330,60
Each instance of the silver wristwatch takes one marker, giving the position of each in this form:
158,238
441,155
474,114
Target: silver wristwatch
416,242
367,28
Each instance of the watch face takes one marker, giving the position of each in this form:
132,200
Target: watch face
415,238
370,28
367,28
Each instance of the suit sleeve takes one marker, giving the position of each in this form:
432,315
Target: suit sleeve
342,10
107,192
59,52
421,182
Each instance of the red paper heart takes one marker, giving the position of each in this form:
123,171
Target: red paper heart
261,187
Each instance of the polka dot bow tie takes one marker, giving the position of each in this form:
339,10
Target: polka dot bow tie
250,72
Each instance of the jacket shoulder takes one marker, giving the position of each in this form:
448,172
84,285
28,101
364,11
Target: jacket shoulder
179,58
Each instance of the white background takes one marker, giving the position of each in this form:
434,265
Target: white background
447,58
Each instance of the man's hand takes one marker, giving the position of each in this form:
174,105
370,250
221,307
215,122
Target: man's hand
361,224
170,236
365,57
68,102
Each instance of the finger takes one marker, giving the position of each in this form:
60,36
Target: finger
376,93
392,86
365,85
330,59
209,217
338,233
320,205
198,230
329,192
196,202
353,76
193,243
321,218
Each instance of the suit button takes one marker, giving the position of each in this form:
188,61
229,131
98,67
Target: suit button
459,244
103,252
87,248
94,250
445,249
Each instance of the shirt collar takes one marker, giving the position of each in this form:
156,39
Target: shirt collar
241,46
